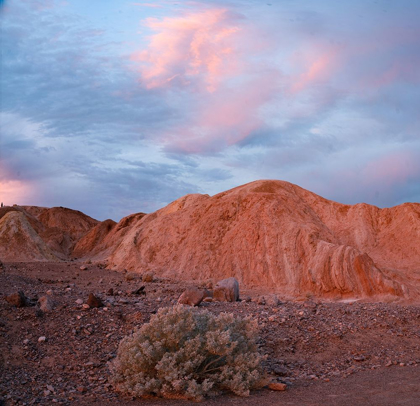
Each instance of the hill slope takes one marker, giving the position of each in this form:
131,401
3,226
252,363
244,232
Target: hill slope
278,236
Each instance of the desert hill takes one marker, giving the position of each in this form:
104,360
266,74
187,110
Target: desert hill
39,233
278,236
269,234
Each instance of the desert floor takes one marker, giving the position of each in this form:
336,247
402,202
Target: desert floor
328,353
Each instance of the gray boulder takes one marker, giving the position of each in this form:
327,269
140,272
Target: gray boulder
226,290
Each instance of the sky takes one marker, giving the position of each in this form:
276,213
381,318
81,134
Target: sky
117,107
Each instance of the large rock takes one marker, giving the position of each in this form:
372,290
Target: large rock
191,297
226,290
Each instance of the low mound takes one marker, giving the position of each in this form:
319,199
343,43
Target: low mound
73,222
58,228
19,241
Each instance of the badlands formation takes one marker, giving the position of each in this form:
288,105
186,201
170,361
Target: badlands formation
270,235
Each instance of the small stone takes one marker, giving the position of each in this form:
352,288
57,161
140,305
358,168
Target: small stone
50,388
277,386
148,277
130,276
81,389
46,304
139,291
94,301
18,299
49,292
272,300
79,301
86,306
280,370
83,268
261,300
26,341
47,393
191,297
110,292
359,358
246,299
42,339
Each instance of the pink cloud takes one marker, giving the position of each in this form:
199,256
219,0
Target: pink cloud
209,53
315,67
197,47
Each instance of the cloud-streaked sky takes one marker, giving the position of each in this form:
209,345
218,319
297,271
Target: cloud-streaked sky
115,107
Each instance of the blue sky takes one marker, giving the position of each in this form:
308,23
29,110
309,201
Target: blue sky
119,107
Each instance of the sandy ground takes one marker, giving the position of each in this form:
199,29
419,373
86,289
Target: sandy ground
328,353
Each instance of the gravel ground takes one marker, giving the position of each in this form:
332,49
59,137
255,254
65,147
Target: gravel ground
328,353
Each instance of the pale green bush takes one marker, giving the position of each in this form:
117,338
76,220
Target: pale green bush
189,353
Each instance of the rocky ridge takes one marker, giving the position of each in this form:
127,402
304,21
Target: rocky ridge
268,234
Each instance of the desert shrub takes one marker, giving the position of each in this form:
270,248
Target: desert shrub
189,353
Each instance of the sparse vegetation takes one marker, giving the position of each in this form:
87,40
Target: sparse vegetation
189,353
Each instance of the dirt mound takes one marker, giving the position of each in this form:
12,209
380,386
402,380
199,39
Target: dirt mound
58,228
19,241
73,222
277,236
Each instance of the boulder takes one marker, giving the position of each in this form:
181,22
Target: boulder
191,297
227,290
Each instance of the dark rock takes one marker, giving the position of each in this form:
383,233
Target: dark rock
94,301
139,291
18,299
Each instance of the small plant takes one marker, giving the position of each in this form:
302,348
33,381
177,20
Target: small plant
188,353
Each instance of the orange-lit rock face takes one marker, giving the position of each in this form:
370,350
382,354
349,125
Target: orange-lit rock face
275,235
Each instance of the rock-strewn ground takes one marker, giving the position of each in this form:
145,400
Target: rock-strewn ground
328,353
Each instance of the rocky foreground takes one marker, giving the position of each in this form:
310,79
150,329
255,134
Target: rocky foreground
329,353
